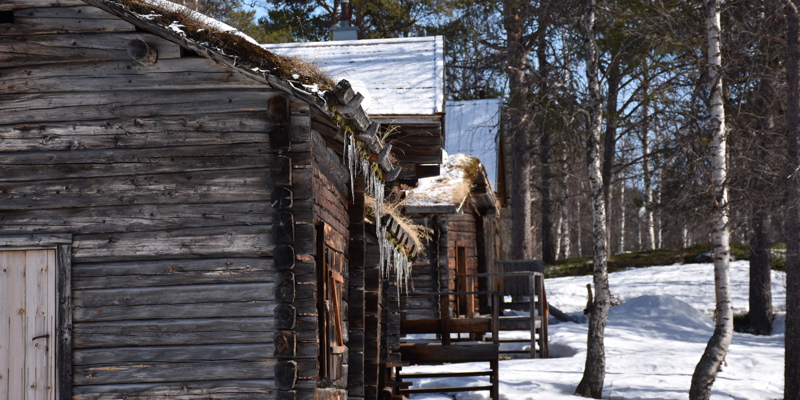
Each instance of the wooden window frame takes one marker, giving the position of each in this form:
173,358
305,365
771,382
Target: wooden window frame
332,287
62,244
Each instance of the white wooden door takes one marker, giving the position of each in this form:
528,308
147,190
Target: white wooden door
27,324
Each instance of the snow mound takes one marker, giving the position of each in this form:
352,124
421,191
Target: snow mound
660,310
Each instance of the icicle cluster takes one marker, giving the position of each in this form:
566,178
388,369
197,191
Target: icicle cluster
388,252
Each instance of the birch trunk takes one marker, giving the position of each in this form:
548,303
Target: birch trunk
706,371
594,372
647,208
621,219
792,337
564,248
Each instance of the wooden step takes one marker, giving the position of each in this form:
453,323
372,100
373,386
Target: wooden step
445,374
446,389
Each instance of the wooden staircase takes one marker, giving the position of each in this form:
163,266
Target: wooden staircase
449,351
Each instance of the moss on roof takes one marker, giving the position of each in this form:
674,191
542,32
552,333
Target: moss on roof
247,53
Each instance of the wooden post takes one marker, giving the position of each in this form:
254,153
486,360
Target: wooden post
532,307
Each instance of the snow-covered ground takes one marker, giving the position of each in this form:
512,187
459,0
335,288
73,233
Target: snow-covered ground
653,342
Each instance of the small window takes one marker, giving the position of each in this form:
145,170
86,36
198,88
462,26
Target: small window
6,17
331,306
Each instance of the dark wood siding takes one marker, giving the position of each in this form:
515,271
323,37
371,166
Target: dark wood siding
162,175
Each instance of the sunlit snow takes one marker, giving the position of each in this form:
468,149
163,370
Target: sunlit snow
653,342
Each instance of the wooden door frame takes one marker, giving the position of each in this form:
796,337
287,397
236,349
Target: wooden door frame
62,244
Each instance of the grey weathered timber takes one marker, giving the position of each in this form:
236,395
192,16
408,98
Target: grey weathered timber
141,132
219,390
175,188
250,241
63,19
16,4
173,295
126,218
64,320
67,48
35,108
101,76
30,166
35,240
173,332
172,272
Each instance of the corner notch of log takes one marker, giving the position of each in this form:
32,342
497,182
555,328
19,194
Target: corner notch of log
285,395
370,137
285,316
383,158
142,53
285,344
284,257
281,198
279,115
284,287
343,92
285,375
391,176
283,227
281,170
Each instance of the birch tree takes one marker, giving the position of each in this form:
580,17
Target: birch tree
706,371
594,372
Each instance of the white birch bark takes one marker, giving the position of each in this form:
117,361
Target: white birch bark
706,371
647,208
591,384
564,248
621,219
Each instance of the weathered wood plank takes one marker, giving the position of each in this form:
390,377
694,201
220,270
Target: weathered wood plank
36,240
225,309
174,295
166,371
181,390
173,332
49,107
150,132
177,188
70,48
250,241
185,353
172,272
96,163
167,74
16,4
64,19
131,218
180,302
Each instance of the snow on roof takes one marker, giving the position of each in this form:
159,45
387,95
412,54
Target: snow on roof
403,76
451,187
198,17
472,127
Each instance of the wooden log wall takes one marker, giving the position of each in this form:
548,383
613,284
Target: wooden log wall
462,231
164,175
424,277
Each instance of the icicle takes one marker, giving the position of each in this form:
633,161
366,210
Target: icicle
389,254
351,155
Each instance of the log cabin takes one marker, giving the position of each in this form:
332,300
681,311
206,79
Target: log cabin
462,212
182,213
409,105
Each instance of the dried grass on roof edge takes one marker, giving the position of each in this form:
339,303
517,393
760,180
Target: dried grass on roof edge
246,53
